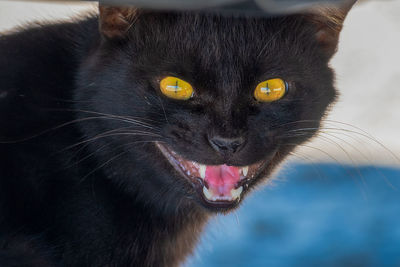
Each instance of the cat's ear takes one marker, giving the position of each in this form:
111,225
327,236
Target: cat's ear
329,23
115,21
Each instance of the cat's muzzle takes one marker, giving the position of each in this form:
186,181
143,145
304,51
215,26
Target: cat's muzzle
219,186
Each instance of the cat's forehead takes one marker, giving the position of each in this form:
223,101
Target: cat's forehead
217,45
228,38
218,37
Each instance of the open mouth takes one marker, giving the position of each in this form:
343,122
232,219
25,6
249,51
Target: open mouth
219,185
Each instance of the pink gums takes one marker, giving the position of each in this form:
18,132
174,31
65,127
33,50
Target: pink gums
222,179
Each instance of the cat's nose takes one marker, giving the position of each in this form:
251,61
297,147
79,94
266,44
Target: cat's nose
226,145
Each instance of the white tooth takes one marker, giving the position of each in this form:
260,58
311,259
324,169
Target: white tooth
235,193
207,193
245,170
195,164
202,170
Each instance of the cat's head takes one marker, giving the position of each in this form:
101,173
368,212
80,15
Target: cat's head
203,107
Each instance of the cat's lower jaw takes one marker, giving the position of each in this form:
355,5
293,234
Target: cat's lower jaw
219,187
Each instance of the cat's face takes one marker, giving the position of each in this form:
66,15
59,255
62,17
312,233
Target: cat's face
217,144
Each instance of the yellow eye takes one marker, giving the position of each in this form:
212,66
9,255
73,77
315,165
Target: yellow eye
270,90
176,88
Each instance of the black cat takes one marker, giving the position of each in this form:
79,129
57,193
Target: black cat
118,144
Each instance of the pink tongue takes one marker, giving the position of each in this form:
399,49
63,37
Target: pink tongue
222,179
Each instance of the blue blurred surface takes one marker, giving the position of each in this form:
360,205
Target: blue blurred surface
312,215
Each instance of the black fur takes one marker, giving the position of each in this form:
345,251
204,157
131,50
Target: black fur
115,200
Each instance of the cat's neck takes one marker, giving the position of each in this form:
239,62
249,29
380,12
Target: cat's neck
138,234
169,240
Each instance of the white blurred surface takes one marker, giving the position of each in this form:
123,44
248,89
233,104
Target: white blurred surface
367,67
368,72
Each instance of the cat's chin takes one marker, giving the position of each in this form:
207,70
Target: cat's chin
220,187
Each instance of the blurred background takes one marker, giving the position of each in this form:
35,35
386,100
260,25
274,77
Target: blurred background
336,201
